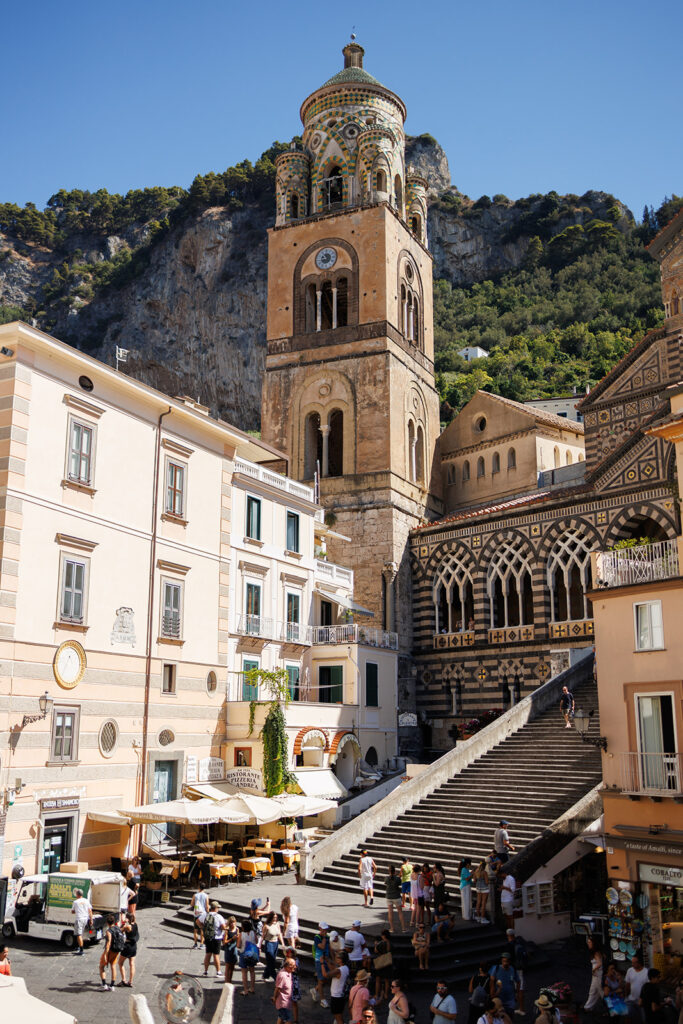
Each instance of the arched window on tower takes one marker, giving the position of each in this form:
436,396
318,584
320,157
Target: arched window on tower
326,305
381,181
580,456
335,455
512,458
404,310
465,471
508,585
410,326
416,224
412,469
313,445
556,456
568,576
453,595
675,304
311,308
294,206
495,463
398,192
333,188
568,458
416,320
420,456
481,467
342,301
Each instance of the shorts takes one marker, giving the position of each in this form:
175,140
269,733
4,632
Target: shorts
366,883
405,888
319,970
394,904
284,1013
337,1004
129,952
80,927
507,906
109,958
212,947
247,962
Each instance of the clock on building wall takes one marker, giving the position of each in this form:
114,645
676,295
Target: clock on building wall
326,258
69,664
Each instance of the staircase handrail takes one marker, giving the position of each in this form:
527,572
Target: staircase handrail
446,767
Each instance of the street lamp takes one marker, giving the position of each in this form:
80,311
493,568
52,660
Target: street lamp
44,703
582,722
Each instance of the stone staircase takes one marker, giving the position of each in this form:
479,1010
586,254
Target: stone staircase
530,778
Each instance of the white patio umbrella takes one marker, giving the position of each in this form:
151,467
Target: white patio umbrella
259,809
17,1004
186,812
296,805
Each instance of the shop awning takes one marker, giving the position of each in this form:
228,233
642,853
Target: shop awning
110,818
342,739
320,782
343,601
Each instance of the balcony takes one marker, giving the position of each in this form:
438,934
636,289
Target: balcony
651,774
262,628
645,563
335,574
266,476
352,633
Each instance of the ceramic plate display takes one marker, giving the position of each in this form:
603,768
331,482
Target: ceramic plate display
612,896
614,944
643,900
637,927
625,898
620,956
623,946
631,949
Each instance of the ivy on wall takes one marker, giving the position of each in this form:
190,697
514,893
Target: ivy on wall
276,774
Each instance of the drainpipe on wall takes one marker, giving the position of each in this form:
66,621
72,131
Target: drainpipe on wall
150,610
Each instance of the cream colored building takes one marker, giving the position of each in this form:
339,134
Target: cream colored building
123,573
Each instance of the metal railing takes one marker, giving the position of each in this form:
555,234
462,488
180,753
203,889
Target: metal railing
651,773
352,633
267,476
334,573
642,564
273,629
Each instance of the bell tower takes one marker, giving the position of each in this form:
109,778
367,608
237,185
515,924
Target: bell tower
349,384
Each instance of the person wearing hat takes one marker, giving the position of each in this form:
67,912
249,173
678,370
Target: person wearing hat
501,841
443,1008
321,952
547,1012
504,983
336,942
359,996
354,940
499,1011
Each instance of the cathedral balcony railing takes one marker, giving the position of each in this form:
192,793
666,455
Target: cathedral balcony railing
658,774
644,563
267,476
263,628
332,573
353,633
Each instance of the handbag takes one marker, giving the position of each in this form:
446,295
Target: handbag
383,960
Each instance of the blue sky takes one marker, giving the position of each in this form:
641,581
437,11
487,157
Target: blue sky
523,98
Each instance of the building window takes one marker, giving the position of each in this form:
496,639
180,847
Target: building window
481,467
171,609
293,532
211,683
649,626
556,457
331,684
293,617
253,518
381,181
108,738
371,685
64,743
293,673
453,595
80,453
569,576
325,613
242,757
175,489
253,608
168,678
249,689
72,604
508,586
512,458
335,456
465,471
495,463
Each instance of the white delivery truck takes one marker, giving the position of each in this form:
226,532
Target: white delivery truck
41,906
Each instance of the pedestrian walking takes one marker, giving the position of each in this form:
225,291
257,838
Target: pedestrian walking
636,976
383,965
359,997
131,936
367,869
399,1008
354,941
393,893
507,898
199,906
478,989
651,1002
338,975
290,921
82,911
480,878
282,996
420,943
414,895
516,947
321,951
443,1007
424,894
290,954
466,888
113,944
406,872
567,706
132,896
214,930
230,940
504,983
248,956
501,841
597,965
271,939
5,962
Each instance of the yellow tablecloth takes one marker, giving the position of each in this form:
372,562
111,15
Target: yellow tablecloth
254,865
222,870
290,857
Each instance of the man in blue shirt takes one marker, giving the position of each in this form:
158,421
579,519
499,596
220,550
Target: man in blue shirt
321,952
505,983
443,1006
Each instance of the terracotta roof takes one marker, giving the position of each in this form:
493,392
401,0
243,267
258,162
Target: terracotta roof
503,506
539,414
299,738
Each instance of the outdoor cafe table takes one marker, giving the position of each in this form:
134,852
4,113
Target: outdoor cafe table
221,871
173,864
254,865
290,857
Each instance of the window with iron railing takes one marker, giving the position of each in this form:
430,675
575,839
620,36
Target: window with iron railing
72,604
172,608
175,489
80,453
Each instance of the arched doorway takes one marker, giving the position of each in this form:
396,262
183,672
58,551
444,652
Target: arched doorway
345,757
309,748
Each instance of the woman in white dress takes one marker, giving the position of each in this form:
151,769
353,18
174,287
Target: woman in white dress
399,1010
290,917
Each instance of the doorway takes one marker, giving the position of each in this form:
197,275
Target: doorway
657,739
164,789
57,835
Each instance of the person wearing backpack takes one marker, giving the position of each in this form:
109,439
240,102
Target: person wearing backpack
113,944
517,949
479,993
214,930
247,948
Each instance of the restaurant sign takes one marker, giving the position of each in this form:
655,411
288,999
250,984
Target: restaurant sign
211,769
60,803
245,778
660,874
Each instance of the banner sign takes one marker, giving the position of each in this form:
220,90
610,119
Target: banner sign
60,803
60,890
660,874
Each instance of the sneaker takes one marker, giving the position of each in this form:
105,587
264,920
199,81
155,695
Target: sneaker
324,1003
314,995
520,1013
105,987
372,900
79,951
484,920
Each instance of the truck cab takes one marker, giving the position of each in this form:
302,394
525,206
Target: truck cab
41,906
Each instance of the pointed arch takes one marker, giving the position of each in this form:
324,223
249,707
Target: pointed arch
568,573
453,594
508,583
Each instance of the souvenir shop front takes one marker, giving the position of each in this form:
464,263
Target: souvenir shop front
644,901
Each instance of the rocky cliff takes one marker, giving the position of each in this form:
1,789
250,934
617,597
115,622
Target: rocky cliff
188,301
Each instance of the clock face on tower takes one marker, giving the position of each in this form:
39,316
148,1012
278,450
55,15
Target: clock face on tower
326,258
69,664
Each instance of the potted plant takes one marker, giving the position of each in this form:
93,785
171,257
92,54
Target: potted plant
470,727
151,878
